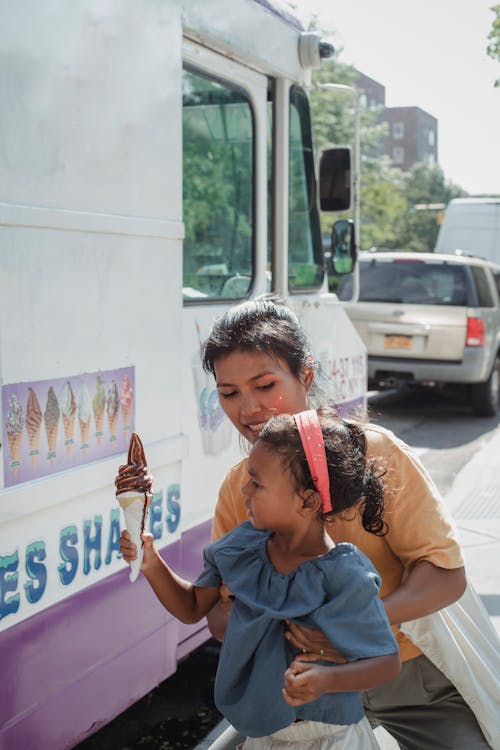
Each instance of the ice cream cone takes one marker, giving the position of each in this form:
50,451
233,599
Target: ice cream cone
51,419
98,406
15,439
69,429
33,425
126,400
135,506
14,428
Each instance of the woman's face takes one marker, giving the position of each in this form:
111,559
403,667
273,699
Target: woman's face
253,386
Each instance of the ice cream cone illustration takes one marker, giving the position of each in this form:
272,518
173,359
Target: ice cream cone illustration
113,410
33,425
84,417
126,398
98,405
68,411
51,419
133,492
14,429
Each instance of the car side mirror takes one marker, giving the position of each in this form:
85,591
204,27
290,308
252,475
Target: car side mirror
335,191
343,257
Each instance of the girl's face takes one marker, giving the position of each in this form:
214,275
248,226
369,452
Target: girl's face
270,496
253,386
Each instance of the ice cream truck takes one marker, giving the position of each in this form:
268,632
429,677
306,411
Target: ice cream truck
156,166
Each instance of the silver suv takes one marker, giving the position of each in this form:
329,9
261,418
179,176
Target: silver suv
430,319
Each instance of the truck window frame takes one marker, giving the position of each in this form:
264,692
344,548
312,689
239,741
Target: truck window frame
299,108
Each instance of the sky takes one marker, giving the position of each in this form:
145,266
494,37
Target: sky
430,54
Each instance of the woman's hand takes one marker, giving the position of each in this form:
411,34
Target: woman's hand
226,598
218,617
305,682
313,644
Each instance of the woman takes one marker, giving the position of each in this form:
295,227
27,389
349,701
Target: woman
261,361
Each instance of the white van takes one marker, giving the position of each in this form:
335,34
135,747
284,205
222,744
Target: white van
471,225
156,165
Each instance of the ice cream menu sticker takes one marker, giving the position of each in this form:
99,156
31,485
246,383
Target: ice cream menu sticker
52,425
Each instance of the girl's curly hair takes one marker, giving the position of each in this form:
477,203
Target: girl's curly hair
354,481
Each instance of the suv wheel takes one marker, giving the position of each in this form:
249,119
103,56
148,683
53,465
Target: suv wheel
484,396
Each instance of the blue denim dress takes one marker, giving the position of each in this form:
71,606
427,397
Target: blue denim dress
336,593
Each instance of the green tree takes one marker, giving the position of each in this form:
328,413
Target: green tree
493,48
388,197
426,191
381,199
383,204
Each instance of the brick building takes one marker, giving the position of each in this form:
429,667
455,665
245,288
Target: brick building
412,136
412,133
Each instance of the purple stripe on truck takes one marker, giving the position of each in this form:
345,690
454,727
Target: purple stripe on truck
72,668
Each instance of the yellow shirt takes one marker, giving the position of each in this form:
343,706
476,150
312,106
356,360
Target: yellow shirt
419,526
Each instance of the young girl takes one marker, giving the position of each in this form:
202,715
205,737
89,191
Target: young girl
282,565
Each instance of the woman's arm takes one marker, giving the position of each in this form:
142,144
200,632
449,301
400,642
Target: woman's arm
426,589
305,681
181,598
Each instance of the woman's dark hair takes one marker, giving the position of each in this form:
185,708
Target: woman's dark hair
353,480
265,324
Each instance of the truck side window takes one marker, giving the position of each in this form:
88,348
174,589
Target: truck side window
218,168
305,255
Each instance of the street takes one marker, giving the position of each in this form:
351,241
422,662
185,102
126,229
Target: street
461,453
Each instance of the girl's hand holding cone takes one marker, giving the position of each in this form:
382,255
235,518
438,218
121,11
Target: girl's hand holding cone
129,550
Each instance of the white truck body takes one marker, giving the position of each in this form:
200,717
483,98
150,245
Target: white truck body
137,176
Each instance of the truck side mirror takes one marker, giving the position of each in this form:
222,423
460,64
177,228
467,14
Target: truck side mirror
335,179
343,257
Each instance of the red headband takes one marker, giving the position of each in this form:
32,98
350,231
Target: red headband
311,438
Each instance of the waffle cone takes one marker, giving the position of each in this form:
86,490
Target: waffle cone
113,426
84,434
69,430
135,506
33,438
15,440
33,442
126,418
52,440
99,422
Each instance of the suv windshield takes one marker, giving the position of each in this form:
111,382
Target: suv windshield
409,282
